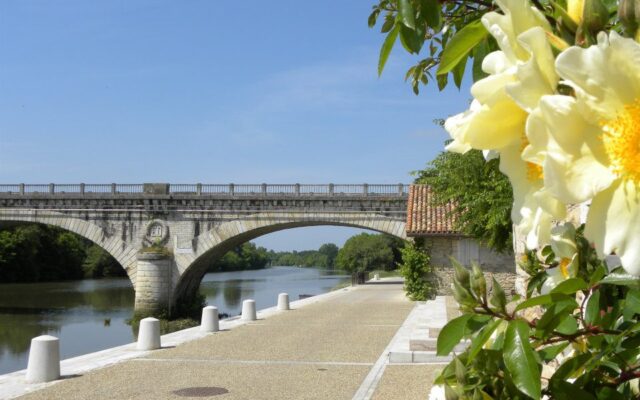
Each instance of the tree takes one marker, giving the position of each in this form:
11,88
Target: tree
365,252
482,195
330,250
245,256
415,269
100,264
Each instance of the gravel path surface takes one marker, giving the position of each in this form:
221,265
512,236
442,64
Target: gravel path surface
409,382
320,351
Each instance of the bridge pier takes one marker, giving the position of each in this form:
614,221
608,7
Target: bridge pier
153,283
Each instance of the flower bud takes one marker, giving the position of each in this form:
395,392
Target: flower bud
595,16
629,15
575,9
478,283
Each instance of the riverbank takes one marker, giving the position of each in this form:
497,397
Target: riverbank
91,315
328,346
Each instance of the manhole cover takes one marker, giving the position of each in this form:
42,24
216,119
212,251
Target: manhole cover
204,391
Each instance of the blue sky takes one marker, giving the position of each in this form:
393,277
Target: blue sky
207,91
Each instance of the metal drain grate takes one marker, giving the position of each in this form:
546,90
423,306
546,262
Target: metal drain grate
202,391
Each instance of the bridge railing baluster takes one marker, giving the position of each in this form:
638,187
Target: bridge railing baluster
213,189
12,189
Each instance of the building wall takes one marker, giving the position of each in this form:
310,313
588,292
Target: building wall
466,250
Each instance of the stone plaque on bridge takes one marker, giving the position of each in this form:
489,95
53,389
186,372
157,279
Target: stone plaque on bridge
155,188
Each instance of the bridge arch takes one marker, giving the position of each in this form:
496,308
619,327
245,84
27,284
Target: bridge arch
213,244
124,254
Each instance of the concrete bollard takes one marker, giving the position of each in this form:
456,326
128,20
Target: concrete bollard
44,359
283,301
376,277
149,334
210,320
249,310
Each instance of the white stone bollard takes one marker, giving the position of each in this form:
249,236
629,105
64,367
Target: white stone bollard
44,359
149,334
249,310
376,277
283,301
210,320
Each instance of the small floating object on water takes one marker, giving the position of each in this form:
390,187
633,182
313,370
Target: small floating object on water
107,322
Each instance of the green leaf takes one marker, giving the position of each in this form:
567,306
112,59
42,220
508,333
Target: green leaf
570,286
542,300
388,23
592,311
563,390
479,53
458,72
386,48
550,352
570,366
555,315
479,341
622,279
373,17
451,335
632,304
406,14
431,11
410,40
520,359
460,45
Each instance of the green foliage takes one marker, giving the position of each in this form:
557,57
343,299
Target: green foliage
246,256
451,31
453,35
100,264
366,252
585,332
324,257
482,195
38,253
416,270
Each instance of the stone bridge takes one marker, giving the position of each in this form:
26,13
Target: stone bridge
166,235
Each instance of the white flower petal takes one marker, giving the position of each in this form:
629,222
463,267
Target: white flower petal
613,224
569,148
536,77
563,240
605,77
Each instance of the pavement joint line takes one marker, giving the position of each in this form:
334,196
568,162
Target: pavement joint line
370,383
258,362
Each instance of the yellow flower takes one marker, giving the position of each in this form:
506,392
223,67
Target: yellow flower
519,75
591,143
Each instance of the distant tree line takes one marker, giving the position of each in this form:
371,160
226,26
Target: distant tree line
39,253
324,257
246,256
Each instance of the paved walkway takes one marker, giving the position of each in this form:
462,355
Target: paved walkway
326,350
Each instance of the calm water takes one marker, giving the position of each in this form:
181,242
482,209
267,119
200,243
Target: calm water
90,315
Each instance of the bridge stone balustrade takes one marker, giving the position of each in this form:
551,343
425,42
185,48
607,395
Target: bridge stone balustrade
166,235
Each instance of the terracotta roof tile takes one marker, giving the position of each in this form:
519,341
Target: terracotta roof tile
424,217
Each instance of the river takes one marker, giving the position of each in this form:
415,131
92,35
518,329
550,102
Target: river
90,315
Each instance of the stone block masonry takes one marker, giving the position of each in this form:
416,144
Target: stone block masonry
195,224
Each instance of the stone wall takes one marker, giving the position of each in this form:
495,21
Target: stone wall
495,265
